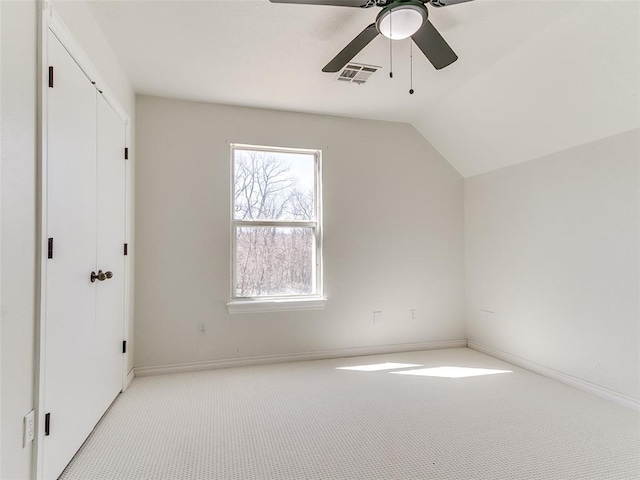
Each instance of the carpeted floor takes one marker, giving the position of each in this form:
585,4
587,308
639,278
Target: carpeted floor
311,420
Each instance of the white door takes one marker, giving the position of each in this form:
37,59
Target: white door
83,316
110,247
70,295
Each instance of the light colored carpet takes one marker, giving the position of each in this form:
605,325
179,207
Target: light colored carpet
310,420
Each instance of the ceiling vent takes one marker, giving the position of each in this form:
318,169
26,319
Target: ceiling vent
356,73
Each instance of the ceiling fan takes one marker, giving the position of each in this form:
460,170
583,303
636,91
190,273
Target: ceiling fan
397,20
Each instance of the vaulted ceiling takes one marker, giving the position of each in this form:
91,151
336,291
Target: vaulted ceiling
533,77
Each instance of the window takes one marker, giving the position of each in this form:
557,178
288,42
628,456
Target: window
276,229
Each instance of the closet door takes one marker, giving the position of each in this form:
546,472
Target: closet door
110,188
70,334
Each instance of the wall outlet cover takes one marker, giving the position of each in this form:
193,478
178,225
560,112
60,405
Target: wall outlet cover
29,428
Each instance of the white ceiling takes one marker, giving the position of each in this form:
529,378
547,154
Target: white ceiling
534,77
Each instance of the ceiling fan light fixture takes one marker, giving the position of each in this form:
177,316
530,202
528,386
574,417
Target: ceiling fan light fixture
401,21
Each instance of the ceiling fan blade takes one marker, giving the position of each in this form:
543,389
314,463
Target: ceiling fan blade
337,3
446,3
351,50
434,47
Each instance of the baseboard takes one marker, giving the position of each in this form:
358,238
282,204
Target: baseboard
296,357
565,378
129,379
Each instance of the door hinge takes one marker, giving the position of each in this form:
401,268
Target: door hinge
50,77
50,248
126,153
47,424
126,249
124,346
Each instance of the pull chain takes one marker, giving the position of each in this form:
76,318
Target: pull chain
390,45
411,64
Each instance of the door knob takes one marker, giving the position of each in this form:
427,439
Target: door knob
102,276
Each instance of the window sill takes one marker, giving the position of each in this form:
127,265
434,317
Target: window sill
276,305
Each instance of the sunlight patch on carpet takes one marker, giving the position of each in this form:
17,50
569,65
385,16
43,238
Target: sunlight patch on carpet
376,367
452,372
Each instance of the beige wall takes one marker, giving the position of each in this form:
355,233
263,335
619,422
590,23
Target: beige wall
553,248
18,199
393,235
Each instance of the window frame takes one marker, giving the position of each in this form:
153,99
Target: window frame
279,302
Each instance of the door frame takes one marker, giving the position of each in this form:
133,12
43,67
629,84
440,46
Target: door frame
50,20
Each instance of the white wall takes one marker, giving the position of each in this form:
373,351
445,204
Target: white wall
393,235
553,248
18,199
17,229
1,138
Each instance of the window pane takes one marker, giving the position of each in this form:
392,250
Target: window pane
273,186
273,261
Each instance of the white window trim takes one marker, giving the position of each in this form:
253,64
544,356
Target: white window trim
281,304
316,301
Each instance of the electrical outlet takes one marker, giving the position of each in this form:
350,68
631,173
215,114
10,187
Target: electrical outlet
377,317
202,328
412,314
29,428
488,315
